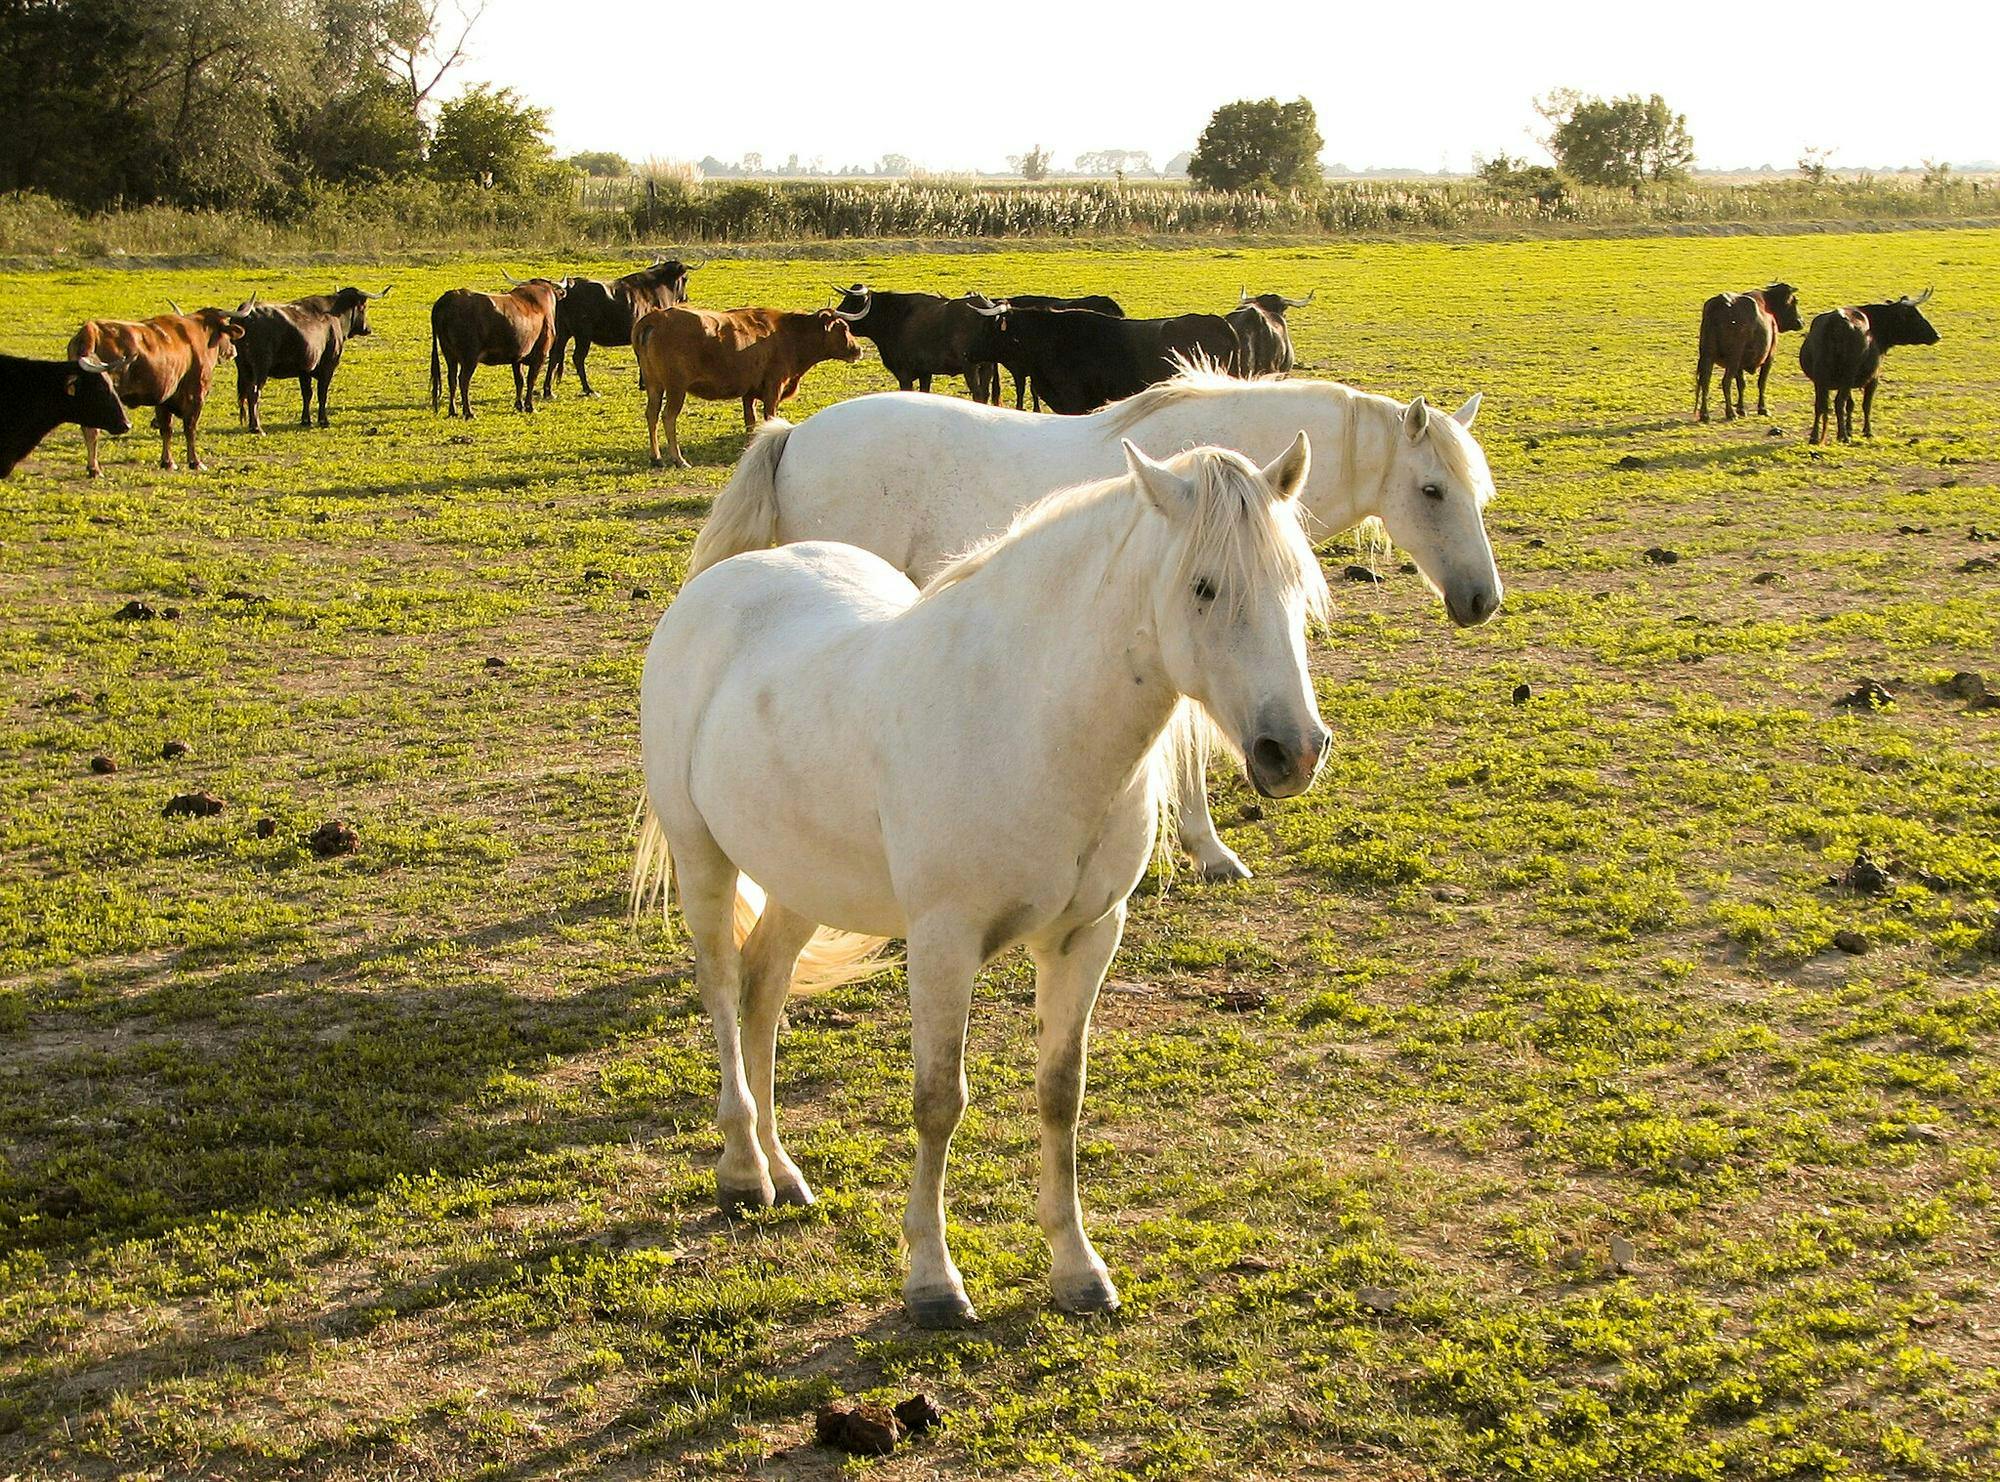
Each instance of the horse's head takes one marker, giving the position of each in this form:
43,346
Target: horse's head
1234,586
1433,506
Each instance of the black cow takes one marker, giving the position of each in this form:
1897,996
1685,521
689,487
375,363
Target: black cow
1264,343
984,380
919,335
1844,348
303,338
1080,361
594,312
39,395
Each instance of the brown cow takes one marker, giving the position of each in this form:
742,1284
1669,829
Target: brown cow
473,329
760,355
169,361
1739,332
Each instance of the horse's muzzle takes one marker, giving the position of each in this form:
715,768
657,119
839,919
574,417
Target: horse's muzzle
1280,769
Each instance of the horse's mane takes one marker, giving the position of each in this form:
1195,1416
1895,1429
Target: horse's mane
1239,539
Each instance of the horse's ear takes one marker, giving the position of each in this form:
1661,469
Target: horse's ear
1171,494
1286,473
1416,419
1466,414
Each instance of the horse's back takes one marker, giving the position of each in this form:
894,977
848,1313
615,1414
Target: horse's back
916,478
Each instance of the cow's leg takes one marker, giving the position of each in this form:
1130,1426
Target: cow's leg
90,464
1021,390
191,419
750,410
924,384
1868,410
534,370
582,376
1703,369
465,387
1763,375
1843,414
676,398
1819,414
518,405
163,422
323,378
653,399
306,400
552,372
251,397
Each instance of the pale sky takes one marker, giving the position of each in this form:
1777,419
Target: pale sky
961,86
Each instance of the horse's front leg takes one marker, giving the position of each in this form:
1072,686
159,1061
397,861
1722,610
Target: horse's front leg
943,961
770,953
1068,972
1197,826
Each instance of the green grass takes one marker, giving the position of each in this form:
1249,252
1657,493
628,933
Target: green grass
398,1163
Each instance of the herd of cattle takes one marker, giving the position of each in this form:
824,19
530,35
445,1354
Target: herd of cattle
1068,355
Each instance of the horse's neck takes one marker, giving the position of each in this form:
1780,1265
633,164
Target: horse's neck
1097,695
1353,439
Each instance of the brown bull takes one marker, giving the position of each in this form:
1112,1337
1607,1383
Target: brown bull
472,329
1739,333
168,363
759,355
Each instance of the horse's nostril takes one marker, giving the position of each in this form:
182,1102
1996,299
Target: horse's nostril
1271,756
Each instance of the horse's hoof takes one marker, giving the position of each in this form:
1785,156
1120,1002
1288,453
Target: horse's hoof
733,1202
1220,870
1091,1297
940,1308
791,1193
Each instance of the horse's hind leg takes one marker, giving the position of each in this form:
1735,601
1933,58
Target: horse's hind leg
769,954
706,881
1068,973
1197,826
943,960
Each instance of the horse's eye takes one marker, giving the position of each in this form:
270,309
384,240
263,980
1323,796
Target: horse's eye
1204,590
1432,491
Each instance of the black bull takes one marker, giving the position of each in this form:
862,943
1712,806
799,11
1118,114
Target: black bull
918,335
303,338
1080,361
596,312
38,395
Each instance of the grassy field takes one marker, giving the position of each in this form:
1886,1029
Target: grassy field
1520,1117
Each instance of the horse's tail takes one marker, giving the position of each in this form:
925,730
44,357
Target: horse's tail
830,958
744,516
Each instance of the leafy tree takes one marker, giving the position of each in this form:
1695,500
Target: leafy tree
1115,162
1519,180
1813,163
491,136
1265,145
1617,141
894,164
1034,165
361,135
601,164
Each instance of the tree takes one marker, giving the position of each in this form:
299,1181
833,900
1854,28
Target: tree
421,45
491,137
1518,180
1813,163
1034,165
600,164
1115,162
1617,141
893,164
1264,145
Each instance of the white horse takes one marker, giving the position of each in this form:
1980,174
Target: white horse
967,768
917,479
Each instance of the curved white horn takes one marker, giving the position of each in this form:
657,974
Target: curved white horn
1300,303
510,277
1242,296
175,307
1925,296
91,363
991,310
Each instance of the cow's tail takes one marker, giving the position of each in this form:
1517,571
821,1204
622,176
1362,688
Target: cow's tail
435,377
830,958
744,516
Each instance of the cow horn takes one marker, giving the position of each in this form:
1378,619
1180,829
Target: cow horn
510,277
693,267
1300,303
1925,297
91,363
383,294
175,307
1243,296
992,311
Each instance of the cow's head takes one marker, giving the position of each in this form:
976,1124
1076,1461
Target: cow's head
1903,322
854,302
354,302
674,274
92,391
221,329
989,339
837,340
1274,304
1783,301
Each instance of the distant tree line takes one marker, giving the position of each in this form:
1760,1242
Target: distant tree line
233,102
